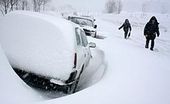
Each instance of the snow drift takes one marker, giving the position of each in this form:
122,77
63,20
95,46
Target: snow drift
13,89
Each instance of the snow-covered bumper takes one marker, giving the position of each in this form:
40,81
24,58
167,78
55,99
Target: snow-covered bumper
47,83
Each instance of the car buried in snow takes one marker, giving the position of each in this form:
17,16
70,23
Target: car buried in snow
86,23
44,53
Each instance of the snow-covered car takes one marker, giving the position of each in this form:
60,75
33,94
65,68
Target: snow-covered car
44,53
87,24
90,17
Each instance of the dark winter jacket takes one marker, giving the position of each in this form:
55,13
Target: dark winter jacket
126,26
151,29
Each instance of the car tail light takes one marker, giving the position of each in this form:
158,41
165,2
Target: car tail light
75,60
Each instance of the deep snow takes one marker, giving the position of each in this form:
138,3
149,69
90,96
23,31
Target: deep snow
39,32
134,75
13,89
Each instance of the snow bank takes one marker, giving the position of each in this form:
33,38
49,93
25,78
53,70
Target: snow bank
13,89
94,71
38,43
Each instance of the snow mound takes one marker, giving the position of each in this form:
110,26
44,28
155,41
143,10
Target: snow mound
13,89
38,43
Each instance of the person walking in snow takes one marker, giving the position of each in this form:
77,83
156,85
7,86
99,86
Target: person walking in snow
127,28
150,31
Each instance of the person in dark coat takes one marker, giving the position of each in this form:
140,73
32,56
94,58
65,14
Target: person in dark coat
150,31
127,28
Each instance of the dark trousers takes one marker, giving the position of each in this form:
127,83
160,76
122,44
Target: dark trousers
148,39
126,34
152,43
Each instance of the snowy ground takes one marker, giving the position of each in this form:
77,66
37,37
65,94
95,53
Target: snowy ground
134,75
13,89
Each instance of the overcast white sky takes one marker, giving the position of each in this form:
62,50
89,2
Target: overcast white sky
99,5
88,5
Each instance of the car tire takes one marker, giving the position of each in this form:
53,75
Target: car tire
95,35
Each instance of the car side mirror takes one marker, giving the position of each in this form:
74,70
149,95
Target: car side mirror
95,26
92,45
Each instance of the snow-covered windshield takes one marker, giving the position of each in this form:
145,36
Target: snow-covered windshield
82,21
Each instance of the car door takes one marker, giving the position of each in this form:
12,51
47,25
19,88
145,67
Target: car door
86,48
80,51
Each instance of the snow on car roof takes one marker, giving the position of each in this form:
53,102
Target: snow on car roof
38,43
82,17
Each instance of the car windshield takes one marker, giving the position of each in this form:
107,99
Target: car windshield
82,21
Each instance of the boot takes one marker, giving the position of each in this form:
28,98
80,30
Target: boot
146,46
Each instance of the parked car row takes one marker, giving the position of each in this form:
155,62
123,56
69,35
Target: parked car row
47,52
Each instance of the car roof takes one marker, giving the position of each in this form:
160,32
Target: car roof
82,17
90,17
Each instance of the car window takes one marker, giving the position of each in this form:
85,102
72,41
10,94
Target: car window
83,38
82,21
78,39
